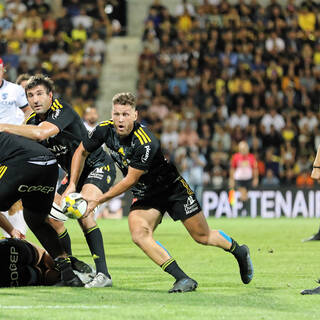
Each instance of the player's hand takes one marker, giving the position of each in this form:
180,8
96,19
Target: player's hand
92,204
315,174
15,233
70,189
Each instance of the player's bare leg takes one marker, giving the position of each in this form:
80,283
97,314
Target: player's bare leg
142,224
198,228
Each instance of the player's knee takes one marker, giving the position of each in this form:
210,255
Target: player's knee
140,235
201,238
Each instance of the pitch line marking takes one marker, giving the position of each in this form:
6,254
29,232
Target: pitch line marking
58,307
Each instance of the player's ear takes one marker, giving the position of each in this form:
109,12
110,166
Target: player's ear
135,115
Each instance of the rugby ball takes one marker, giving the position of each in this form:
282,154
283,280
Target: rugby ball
74,206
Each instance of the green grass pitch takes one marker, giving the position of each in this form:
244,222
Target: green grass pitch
283,267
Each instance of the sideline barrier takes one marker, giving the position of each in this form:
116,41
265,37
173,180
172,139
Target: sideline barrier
266,203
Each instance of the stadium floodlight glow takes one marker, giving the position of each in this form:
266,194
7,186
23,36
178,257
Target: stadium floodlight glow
108,9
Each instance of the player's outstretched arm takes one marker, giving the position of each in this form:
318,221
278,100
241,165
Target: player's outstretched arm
41,132
125,184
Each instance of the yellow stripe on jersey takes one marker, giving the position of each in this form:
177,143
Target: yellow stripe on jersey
142,136
31,116
105,123
58,103
143,133
138,136
3,169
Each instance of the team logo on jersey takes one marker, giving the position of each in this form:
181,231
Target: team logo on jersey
4,96
56,114
145,157
14,275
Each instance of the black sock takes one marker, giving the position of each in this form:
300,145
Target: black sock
95,243
65,242
44,232
172,268
235,248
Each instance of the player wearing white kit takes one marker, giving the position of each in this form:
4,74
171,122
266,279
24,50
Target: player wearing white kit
13,109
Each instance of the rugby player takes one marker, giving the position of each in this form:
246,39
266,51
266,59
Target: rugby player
13,109
26,264
29,171
157,188
60,129
315,174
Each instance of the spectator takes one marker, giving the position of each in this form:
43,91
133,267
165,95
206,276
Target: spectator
243,171
270,180
90,118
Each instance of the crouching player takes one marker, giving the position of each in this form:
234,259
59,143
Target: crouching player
29,171
157,188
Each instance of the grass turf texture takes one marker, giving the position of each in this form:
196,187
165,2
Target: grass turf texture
283,267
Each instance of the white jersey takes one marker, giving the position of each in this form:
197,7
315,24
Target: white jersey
12,98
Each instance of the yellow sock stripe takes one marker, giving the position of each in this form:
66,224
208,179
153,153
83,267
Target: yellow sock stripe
58,103
31,116
62,234
167,263
144,133
233,246
91,229
137,135
3,169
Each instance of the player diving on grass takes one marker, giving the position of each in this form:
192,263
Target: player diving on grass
58,127
157,188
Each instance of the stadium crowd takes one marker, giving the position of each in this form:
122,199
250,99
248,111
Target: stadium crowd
214,74
62,39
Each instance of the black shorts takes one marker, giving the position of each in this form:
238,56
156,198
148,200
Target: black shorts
178,200
18,261
101,175
34,184
243,183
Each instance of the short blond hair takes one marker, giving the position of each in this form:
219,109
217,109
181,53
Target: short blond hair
124,98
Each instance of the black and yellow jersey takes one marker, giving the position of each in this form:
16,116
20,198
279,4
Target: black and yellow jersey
15,149
72,132
140,150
